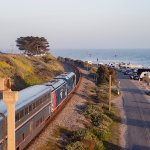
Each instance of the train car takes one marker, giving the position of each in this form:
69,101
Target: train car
58,92
70,78
32,109
35,105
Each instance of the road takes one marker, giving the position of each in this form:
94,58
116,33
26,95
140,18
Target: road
136,106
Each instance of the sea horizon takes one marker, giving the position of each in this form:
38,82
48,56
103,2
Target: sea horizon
134,56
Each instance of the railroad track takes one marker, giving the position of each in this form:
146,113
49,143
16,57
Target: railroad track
61,107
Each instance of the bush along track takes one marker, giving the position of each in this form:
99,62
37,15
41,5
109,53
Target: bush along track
97,132
100,125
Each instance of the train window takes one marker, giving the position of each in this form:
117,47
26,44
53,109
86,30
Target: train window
37,123
40,101
61,94
30,108
17,117
26,111
37,103
48,95
33,105
23,136
21,113
43,99
66,92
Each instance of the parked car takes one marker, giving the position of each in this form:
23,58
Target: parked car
123,70
136,77
128,72
132,75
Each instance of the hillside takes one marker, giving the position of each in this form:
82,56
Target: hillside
26,71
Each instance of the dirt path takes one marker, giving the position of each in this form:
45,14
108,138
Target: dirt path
70,116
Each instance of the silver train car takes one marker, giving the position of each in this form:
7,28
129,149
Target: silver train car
36,104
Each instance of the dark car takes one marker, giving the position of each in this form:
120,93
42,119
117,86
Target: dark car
128,72
132,75
136,77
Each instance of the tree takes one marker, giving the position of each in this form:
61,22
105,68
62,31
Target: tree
33,45
103,74
113,74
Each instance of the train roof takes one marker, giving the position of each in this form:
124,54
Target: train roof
26,96
29,94
54,83
66,75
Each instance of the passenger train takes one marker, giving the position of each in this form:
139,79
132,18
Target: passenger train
35,105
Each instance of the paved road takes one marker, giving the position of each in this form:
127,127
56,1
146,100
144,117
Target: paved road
137,111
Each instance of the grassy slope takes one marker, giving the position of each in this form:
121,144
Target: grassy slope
26,71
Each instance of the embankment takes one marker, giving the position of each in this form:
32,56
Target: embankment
26,71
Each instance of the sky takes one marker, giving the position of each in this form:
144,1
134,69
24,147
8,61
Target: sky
77,24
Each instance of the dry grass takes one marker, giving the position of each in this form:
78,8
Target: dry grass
26,71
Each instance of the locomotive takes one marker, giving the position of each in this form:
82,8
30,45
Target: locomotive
35,106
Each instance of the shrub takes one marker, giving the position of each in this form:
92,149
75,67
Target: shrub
89,135
26,71
94,113
5,65
77,135
96,119
113,74
77,146
103,73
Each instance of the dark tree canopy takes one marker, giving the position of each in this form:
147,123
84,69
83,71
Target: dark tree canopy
33,45
103,73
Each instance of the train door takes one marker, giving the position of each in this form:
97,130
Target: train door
53,101
74,81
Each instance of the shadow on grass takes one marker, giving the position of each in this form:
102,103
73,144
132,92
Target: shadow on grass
111,146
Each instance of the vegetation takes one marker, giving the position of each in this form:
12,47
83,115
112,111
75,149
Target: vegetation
96,133
103,73
101,122
33,45
26,71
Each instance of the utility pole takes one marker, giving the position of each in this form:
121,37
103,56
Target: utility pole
87,67
9,98
109,92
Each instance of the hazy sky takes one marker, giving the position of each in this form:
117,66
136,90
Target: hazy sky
77,23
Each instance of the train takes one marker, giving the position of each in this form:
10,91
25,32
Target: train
35,106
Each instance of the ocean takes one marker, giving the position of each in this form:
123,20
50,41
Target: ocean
133,56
